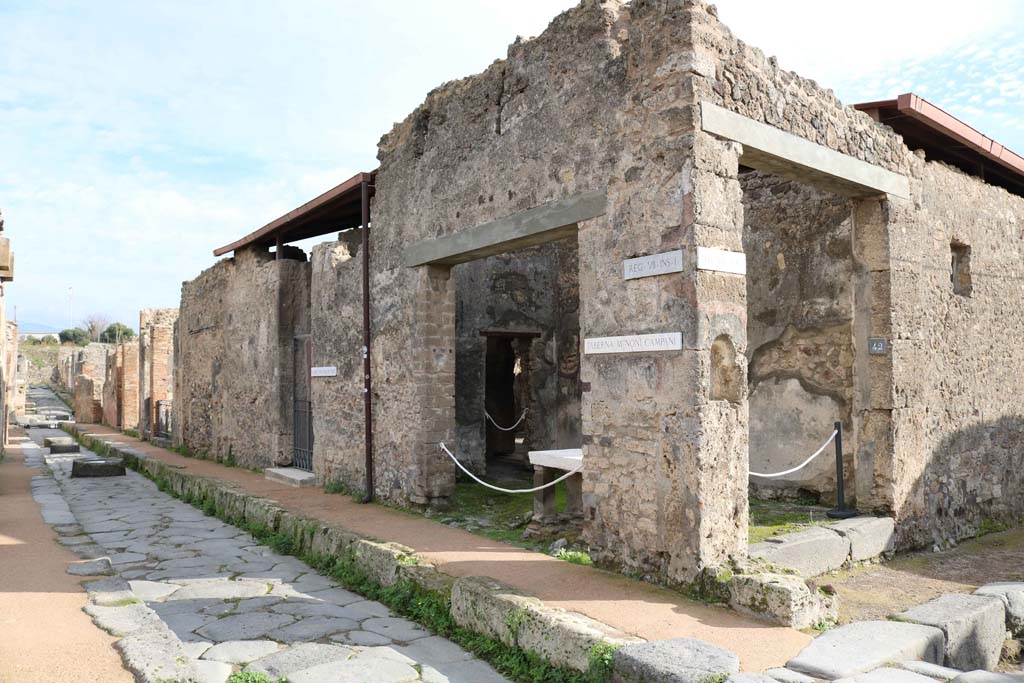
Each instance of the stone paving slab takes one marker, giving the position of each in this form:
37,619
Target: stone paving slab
1012,595
683,660
867,645
195,599
810,552
887,675
974,627
988,677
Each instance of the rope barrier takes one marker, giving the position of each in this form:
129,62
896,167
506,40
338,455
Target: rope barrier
505,429
498,488
802,465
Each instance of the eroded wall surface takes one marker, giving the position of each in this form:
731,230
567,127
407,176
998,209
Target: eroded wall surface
800,308
232,360
958,361
88,399
155,364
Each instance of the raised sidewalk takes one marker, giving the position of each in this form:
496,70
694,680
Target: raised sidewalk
629,605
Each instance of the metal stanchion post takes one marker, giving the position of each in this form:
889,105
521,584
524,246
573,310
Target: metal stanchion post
840,512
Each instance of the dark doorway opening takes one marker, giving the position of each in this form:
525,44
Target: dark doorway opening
302,404
507,395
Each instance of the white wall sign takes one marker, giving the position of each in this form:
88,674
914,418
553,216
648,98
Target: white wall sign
721,260
664,341
325,371
655,264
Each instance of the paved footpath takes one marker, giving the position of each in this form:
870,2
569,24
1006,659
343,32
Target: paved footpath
233,603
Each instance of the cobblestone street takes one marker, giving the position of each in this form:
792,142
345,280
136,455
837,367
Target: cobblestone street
188,586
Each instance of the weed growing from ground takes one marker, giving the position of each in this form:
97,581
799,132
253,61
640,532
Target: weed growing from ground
574,556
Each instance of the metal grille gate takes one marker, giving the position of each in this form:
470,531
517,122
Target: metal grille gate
302,431
163,419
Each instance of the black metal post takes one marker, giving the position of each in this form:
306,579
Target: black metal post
840,512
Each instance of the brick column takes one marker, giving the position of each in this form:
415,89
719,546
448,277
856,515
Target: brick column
129,363
161,340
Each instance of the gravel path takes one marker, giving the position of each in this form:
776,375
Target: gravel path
232,603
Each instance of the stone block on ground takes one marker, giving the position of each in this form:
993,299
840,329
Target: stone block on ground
58,448
57,440
788,676
887,675
781,598
867,645
1012,595
810,552
936,671
290,476
988,677
974,627
681,660
749,678
869,536
98,467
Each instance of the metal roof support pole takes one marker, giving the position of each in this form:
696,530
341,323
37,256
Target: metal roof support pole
367,383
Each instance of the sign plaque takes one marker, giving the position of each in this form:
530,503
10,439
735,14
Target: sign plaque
656,264
324,371
878,346
663,341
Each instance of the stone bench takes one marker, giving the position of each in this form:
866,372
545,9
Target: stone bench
548,466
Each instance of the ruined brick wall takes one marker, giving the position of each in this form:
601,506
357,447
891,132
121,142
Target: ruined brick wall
88,400
128,360
958,361
155,361
232,364
800,309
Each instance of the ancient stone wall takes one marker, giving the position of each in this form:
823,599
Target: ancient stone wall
155,375
112,388
958,362
800,307
337,340
88,399
233,358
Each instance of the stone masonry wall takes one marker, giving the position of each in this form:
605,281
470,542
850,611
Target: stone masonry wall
337,331
112,388
88,400
232,367
798,242
958,361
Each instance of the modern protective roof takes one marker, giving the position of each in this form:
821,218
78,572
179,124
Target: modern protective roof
337,209
944,137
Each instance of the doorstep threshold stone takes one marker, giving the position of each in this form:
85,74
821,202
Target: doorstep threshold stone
291,476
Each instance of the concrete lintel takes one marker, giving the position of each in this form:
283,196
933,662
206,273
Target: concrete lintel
775,151
541,224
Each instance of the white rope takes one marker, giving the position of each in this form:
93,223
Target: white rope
498,488
505,429
802,465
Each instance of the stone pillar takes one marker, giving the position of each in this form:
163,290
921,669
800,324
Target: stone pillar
433,384
544,510
129,362
666,465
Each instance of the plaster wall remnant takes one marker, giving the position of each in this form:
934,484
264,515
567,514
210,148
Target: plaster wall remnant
606,106
88,400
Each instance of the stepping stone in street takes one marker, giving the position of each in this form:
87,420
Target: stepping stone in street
680,660
97,467
974,626
867,645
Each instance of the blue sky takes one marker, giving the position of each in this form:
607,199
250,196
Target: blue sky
137,137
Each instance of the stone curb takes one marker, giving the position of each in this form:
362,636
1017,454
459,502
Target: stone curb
479,604
823,549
